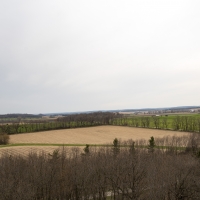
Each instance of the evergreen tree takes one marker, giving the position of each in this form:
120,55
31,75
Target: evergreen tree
132,148
151,144
116,147
86,149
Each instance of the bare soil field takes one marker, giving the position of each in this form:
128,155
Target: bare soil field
20,150
25,150
91,135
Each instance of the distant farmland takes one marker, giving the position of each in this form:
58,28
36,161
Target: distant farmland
90,135
48,141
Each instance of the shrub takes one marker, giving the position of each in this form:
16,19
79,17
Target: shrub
4,138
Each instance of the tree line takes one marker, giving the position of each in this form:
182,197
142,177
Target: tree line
70,121
177,123
120,172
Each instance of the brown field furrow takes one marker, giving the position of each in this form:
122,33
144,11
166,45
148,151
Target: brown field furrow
25,150
91,135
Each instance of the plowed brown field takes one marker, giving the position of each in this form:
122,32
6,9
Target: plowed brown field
91,135
25,150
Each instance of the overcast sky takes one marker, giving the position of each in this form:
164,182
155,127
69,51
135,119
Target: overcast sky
80,55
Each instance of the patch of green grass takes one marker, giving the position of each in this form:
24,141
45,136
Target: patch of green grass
52,144
83,145
165,122
39,144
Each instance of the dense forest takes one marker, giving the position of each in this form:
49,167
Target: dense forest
120,172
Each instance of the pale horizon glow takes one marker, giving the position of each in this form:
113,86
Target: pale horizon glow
68,56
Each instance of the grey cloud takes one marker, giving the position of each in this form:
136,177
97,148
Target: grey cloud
90,55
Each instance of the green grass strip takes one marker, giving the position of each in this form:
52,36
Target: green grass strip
49,144
39,144
82,145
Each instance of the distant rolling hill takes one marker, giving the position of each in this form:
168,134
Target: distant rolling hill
127,110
